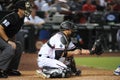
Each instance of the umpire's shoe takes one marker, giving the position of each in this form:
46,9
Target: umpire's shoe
3,74
13,73
77,73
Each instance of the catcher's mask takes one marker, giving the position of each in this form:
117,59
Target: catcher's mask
67,25
25,5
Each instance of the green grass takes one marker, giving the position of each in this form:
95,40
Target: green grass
109,63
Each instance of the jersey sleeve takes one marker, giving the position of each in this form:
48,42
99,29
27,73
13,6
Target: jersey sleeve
6,22
52,41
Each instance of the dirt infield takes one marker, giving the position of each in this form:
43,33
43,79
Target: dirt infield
28,66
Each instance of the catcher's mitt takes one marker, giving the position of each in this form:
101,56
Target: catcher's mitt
97,47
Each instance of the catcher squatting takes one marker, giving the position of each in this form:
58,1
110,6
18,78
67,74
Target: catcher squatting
56,56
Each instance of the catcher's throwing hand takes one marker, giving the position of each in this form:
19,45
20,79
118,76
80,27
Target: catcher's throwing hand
85,51
82,51
77,51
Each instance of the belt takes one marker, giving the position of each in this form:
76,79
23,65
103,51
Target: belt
41,55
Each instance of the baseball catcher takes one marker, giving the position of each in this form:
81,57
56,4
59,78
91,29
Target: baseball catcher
56,56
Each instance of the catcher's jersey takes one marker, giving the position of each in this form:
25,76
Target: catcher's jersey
12,24
55,42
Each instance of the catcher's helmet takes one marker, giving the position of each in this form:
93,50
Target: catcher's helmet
25,5
66,25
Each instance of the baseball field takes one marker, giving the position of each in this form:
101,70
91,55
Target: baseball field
93,67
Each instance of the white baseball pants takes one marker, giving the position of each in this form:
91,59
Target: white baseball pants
43,61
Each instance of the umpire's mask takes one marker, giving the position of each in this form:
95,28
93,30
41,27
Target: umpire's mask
25,5
28,9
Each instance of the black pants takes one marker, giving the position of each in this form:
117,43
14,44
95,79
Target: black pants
118,38
9,57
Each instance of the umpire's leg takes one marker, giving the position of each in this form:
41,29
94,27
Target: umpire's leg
13,66
6,55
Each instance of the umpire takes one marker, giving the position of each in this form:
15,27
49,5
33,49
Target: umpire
11,50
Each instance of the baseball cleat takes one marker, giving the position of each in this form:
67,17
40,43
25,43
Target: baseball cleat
41,74
117,71
78,73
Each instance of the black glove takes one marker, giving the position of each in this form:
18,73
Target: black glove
97,47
